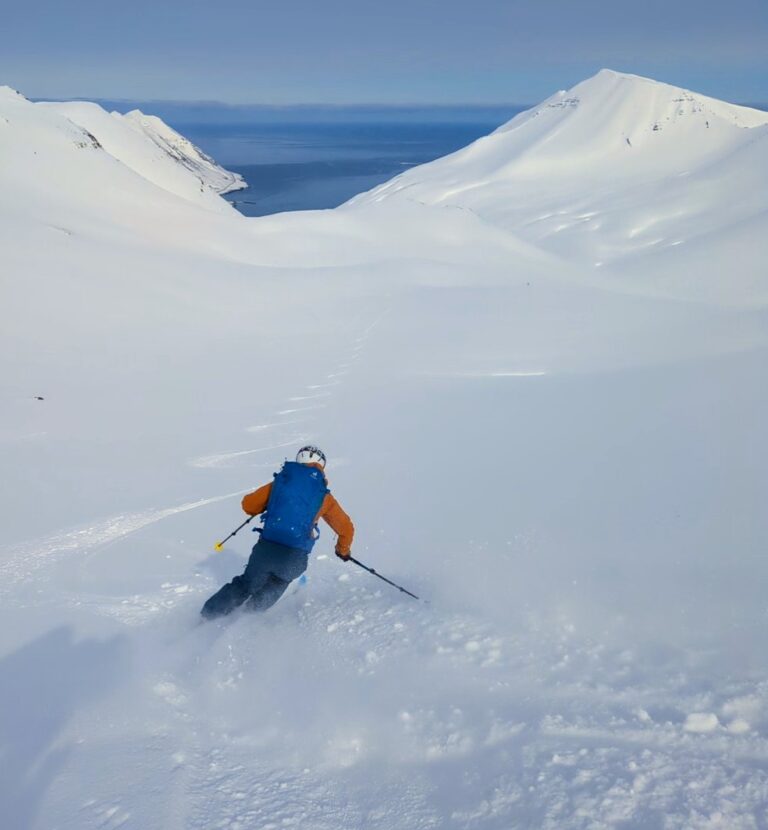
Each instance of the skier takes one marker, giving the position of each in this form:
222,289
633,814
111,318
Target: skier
291,506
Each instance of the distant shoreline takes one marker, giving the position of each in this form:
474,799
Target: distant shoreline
179,113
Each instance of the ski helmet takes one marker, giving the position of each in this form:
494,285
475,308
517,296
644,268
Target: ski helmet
311,455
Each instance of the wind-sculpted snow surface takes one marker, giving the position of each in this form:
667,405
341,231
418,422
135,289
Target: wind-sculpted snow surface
567,461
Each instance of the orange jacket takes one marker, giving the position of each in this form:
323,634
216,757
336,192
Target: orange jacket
330,510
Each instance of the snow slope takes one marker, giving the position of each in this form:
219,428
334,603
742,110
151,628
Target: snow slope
567,461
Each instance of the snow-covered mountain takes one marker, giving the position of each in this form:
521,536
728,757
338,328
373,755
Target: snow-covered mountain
537,367
76,159
152,149
617,168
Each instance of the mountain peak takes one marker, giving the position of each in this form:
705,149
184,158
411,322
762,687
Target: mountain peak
624,104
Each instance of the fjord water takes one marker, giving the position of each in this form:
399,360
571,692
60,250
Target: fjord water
308,166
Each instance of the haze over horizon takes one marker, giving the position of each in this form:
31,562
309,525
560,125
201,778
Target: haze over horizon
495,53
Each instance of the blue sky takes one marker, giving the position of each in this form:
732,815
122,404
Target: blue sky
389,51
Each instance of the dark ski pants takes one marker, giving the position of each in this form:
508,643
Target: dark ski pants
270,570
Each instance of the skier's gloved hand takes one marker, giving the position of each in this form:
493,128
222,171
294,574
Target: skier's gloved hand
343,555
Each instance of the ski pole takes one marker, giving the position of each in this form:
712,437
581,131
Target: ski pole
388,581
220,545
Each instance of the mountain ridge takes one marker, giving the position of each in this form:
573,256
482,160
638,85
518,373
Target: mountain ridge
613,167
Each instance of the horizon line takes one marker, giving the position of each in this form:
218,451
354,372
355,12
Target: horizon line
316,104
297,105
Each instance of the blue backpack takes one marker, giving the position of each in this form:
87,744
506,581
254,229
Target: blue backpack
295,500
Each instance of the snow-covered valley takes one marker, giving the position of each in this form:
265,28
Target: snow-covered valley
538,369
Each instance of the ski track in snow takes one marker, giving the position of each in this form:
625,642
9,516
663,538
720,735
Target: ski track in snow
312,392
135,609
274,425
221,459
21,562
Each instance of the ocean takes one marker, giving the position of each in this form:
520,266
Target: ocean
307,166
